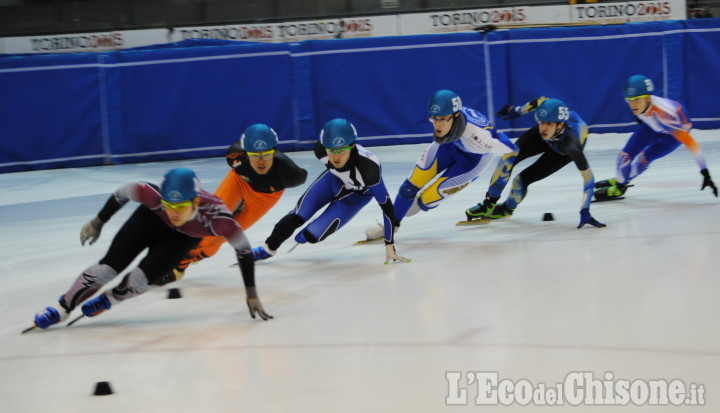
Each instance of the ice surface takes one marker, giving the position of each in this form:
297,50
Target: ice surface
526,298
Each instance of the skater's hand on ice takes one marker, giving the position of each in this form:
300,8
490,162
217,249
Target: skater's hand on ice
707,181
91,231
391,254
254,304
586,218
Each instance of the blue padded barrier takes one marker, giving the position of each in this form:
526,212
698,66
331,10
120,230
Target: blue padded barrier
193,98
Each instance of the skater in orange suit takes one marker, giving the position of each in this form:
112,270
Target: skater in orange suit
259,175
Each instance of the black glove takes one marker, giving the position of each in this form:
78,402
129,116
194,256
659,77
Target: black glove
233,155
508,112
707,181
535,103
586,218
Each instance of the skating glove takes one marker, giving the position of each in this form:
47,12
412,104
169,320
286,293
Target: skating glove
707,181
254,304
508,112
586,218
391,254
91,231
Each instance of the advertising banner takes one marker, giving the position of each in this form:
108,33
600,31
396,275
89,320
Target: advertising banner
294,31
627,12
358,27
466,20
84,42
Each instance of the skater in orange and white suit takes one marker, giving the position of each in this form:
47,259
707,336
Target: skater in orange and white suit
664,126
259,175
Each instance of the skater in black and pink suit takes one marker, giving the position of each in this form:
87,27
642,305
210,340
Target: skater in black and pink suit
171,220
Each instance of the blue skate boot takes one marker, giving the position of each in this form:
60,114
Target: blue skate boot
263,252
51,316
96,306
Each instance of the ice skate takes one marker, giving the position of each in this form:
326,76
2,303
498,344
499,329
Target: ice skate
97,305
612,192
500,211
262,252
480,211
603,184
50,316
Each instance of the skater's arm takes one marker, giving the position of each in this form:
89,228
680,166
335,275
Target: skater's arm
692,145
574,150
509,112
91,230
246,263
382,197
289,172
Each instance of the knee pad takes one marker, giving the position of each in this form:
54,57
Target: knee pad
87,284
134,283
407,190
100,274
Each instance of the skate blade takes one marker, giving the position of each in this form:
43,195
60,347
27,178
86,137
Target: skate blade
481,221
293,247
368,241
75,320
28,329
607,200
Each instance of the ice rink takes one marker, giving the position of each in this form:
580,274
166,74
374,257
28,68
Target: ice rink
532,301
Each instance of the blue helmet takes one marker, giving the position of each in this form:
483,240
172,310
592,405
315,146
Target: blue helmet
637,85
444,102
179,185
338,133
552,110
258,138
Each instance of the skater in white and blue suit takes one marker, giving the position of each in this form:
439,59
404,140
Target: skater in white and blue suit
353,177
464,143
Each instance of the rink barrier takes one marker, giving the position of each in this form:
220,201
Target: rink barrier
193,98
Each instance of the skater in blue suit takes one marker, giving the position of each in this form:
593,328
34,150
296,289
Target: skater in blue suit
559,138
353,178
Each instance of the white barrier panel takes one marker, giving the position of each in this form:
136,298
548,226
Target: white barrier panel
370,26
466,20
625,12
295,31
85,42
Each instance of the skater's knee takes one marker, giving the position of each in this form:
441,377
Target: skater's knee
100,273
135,283
407,190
